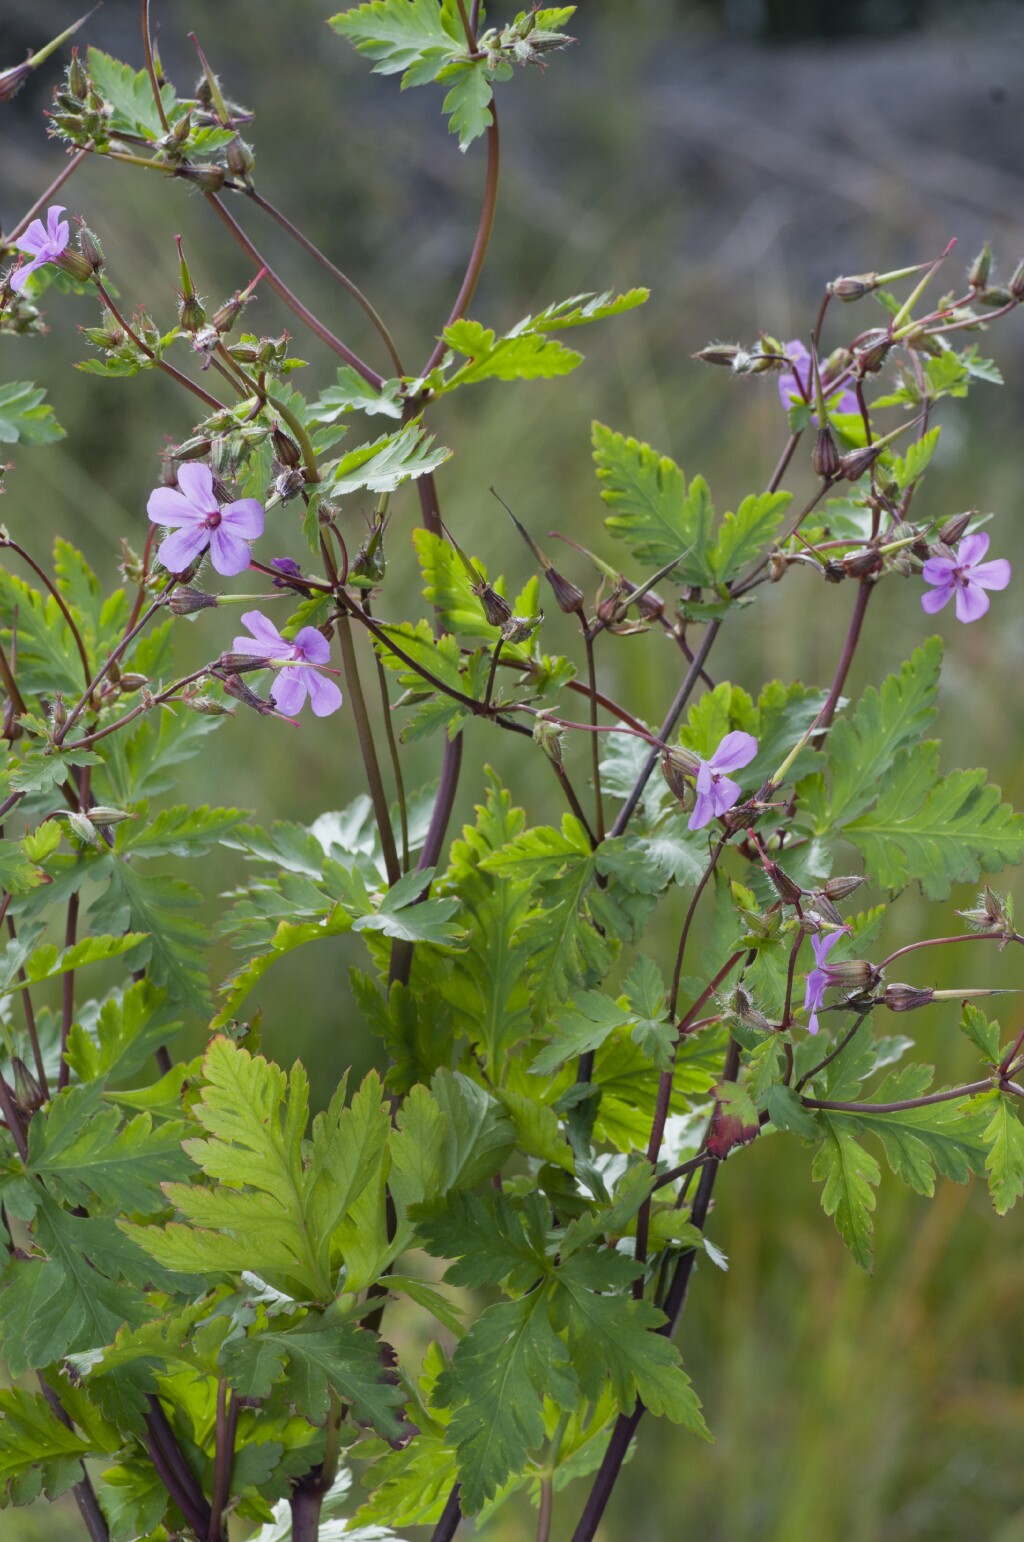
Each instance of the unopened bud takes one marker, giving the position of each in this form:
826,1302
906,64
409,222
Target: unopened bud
719,353
84,828
825,455
131,681
1016,284
853,287
89,246
182,129
497,611
78,80
862,563
206,706
954,528
185,601
872,353
837,363
549,736
235,686
58,711
285,448
855,462
788,890
12,80
995,296
981,267
739,1006
905,998
210,179
191,449
840,888
239,158
238,663
289,484
103,814
569,598
26,1088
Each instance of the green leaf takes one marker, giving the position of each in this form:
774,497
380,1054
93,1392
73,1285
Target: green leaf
939,831
580,309
582,1026
165,908
38,1454
1004,1137
523,356
787,1112
400,35
319,1355
744,535
468,101
980,1031
79,1149
120,1037
850,1175
47,962
18,873
490,1238
177,832
508,1362
130,94
906,471
354,393
23,416
652,509
385,464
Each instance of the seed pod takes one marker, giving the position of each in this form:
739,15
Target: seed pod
954,528
285,448
27,1090
788,890
905,998
719,353
90,248
739,1006
518,628
497,611
210,179
825,455
872,353
862,563
185,601
235,686
853,287
995,297
239,157
839,888
568,597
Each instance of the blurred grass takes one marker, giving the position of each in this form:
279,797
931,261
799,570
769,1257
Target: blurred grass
734,180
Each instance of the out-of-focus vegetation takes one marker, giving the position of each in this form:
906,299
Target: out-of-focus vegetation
734,174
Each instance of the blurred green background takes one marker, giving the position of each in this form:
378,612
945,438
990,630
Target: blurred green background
733,156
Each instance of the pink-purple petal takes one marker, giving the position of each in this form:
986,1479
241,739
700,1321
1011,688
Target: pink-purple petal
58,231
289,691
971,549
182,548
266,641
703,812
228,553
20,275
822,946
324,695
971,602
736,750
196,483
938,570
314,645
167,506
725,794
991,575
36,237
935,599
245,518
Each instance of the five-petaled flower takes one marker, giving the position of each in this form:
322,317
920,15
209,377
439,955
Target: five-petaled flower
796,384
199,521
296,661
716,793
966,576
43,243
818,978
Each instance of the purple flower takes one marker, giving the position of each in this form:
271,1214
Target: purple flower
289,567
796,385
818,978
966,576
715,792
298,678
43,243
199,521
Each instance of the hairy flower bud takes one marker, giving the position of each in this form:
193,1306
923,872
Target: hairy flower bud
239,157
991,914
237,663
841,887
825,455
853,287
719,353
995,296
981,267
788,890
905,998
954,528
184,601
90,247
872,352
1016,284
78,80
206,706
131,681
739,1006
104,814
549,736
855,462
84,829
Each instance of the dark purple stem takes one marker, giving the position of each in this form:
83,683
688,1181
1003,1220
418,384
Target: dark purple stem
483,236
451,1515
846,657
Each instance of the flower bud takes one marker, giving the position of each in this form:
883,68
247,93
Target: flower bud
182,129
855,462
739,1006
191,314
981,267
78,80
497,611
206,706
863,562
954,528
285,448
549,736
90,248
786,888
568,597
905,998
840,888
210,179
240,158
995,296
1016,284
84,828
719,353
837,363
825,455
133,682
184,601
58,711
235,686
103,814
12,80
853,287
872,352
191,449
27,1090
